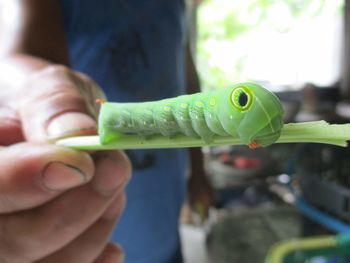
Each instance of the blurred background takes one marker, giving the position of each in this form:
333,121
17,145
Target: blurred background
297,194
277,42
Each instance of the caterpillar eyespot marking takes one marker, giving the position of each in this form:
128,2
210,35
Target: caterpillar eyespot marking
246,111
241,98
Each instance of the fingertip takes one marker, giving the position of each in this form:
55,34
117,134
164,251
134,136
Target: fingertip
113,253
78,160
113,171
126,163
58,176
115,208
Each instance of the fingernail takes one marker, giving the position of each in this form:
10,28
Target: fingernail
69,124
58,176
110,175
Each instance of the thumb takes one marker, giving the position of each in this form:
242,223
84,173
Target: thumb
58,103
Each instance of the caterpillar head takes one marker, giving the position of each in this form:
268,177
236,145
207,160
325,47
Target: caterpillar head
253,113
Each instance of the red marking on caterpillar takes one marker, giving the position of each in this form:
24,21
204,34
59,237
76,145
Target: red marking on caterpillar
254,145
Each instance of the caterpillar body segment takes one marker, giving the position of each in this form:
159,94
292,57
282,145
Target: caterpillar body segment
245,111
197,112
211,114
181,111
229,117
165,120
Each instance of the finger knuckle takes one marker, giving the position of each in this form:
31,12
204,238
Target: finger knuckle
58,70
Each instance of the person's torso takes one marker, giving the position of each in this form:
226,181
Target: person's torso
134,50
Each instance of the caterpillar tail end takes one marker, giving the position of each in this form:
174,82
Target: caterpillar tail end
106,122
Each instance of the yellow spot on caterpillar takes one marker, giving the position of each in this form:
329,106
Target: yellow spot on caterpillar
184,105
167,108
199,104
212,102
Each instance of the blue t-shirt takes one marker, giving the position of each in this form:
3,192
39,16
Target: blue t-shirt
134,50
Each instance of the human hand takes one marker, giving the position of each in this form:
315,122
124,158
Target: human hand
201,194
56,204
200,191
41,220
52,103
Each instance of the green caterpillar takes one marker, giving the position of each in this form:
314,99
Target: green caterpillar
246,111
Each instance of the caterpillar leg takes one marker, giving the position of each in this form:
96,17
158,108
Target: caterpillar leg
254,145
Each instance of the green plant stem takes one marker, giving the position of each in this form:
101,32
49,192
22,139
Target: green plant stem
313,132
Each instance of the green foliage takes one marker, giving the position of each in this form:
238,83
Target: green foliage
225,23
